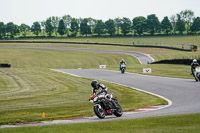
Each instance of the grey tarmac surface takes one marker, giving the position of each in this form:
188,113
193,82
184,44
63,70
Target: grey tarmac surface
184,93
181,94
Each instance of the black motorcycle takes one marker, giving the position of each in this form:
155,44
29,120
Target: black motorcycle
106,105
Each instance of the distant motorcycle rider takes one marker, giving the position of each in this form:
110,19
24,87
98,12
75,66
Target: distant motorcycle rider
193,66
122,62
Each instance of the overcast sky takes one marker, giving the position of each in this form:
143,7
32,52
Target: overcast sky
29,11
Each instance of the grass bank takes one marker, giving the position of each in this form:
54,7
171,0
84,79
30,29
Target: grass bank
169,41
189,123
61,59
29,87
157,53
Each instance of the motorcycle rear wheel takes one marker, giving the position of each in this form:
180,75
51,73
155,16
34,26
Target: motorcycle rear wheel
118,112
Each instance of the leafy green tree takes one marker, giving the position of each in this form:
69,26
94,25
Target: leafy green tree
48,27
126,26
99,27
173,20
118,22
180,24
79,20
166,25
195,25
23,28
110,26
2,30
42,23
61,27
187,16
36,28
153,24
67,21
92,22
74,27
12,29
55,22
85,29
139,25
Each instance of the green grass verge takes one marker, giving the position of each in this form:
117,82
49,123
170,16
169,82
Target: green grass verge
171,41
73,59
157,53
133,66
34,58
29,87
164,70
189,123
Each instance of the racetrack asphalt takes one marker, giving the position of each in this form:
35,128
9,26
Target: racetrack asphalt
182,94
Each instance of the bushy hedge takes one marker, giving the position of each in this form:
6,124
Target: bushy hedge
166,47
176,61
5,65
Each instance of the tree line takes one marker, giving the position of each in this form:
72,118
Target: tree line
180,23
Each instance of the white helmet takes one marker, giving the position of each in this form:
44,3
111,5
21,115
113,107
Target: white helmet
195,60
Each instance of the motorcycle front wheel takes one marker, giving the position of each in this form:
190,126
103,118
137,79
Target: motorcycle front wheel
198,77
122,70
99,111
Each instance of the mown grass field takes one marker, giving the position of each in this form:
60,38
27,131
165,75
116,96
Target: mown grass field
189,123
163,41
29,87
157,53
166,70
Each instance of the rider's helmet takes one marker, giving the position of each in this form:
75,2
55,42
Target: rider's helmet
122,60
194,61
94,83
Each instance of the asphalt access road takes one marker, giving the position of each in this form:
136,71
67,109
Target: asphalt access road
143,58
183,93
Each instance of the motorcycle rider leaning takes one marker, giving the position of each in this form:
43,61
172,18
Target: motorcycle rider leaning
193,66
110,105
98,88
121,62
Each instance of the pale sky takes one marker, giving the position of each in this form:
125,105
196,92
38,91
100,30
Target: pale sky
29,11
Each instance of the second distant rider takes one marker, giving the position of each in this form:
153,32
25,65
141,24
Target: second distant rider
122,62
193,66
